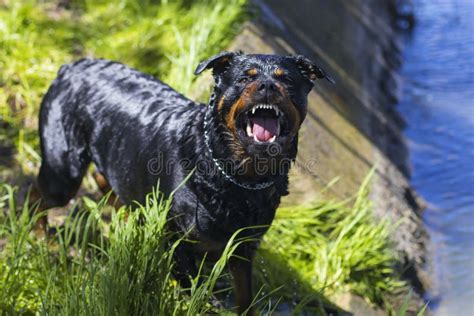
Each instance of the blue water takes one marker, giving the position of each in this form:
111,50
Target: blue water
438,105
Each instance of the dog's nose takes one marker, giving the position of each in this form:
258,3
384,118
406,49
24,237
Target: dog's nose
268,90
267,85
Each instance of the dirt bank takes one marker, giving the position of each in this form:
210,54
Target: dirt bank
353,125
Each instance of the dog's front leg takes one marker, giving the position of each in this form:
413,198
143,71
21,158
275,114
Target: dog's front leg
184,268
240,265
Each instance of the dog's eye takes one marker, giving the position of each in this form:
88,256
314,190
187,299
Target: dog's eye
243,80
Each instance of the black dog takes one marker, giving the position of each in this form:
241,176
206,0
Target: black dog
136,130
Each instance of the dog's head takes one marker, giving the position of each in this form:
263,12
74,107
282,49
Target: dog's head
261,99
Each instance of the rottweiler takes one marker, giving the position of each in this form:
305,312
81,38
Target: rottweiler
237,150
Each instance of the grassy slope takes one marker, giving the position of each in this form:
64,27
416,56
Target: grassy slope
95,267
336,247
313,251
165,39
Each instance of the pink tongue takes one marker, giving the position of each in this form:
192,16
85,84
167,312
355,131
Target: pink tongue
264,128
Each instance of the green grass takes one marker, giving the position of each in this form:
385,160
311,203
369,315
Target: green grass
123,267
164,38
337,247
95,268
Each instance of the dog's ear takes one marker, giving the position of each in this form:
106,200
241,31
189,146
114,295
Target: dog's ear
219,63
310,70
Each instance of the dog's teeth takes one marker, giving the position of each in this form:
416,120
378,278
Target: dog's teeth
249,129
256,139
271,140
275,108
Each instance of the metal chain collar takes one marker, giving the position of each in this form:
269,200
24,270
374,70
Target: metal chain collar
247,186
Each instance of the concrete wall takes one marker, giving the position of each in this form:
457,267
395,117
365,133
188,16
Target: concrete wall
353,125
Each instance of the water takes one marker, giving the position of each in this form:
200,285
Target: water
438,104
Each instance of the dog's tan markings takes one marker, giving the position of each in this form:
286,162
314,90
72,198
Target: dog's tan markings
279,72
292,111
101,182
234,109
295,117
220,104
230,121
238,106
294,114
252,72
236,147
105,188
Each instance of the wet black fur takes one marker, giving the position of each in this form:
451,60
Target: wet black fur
126,122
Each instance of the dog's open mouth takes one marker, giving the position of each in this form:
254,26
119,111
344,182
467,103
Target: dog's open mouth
264,123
